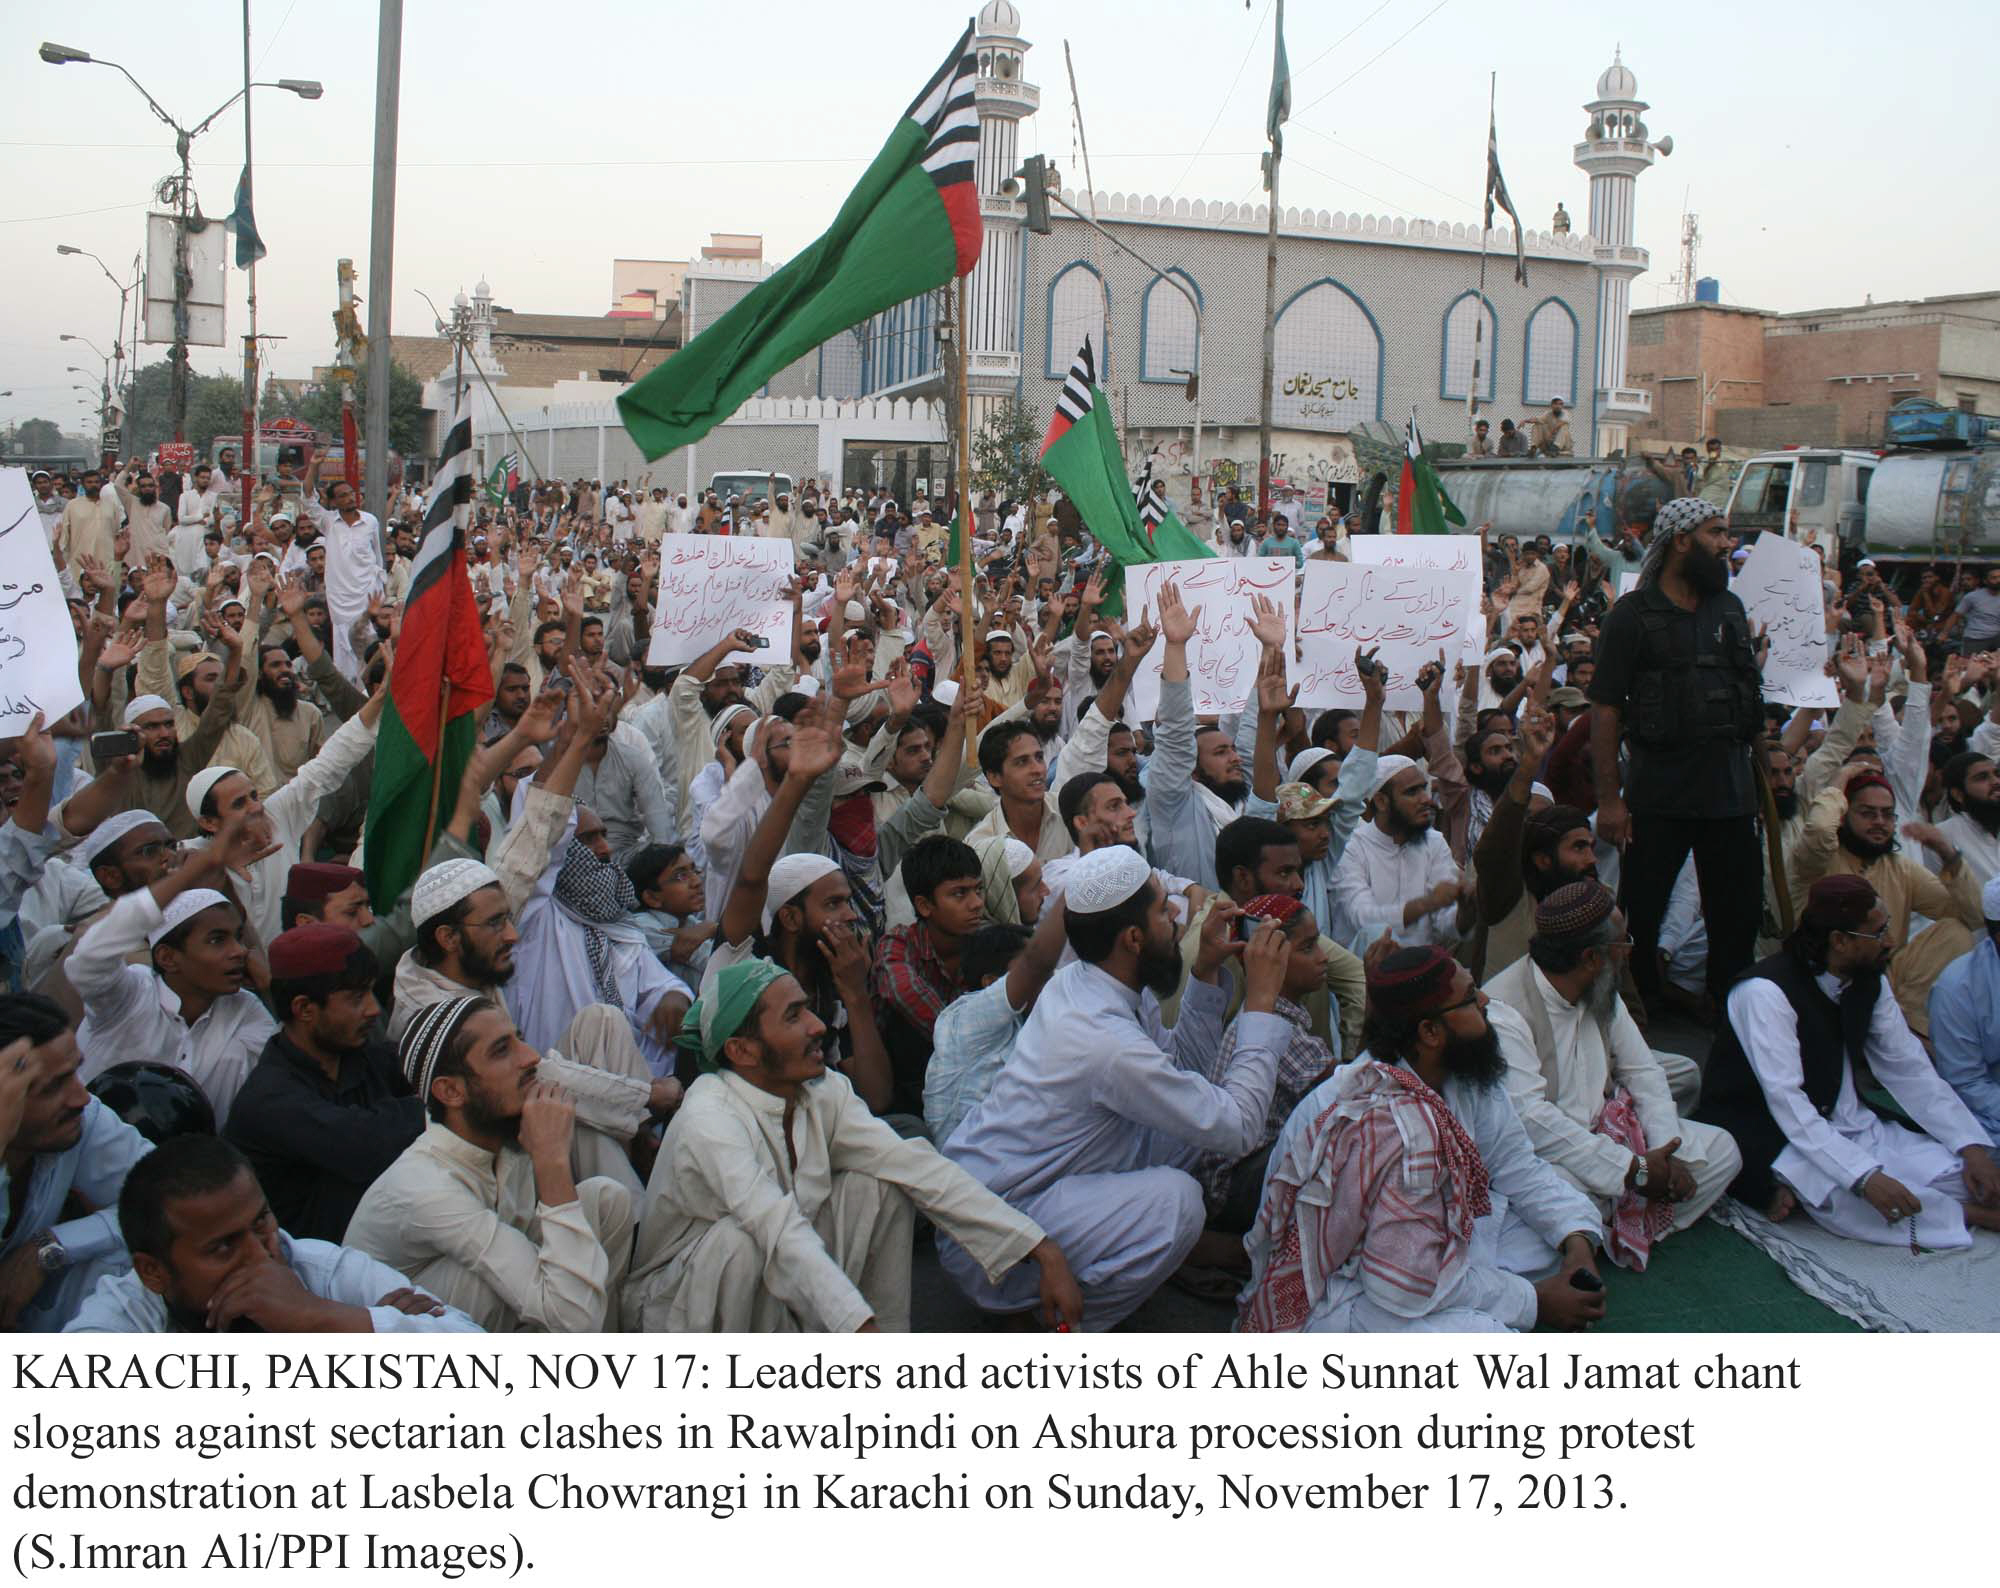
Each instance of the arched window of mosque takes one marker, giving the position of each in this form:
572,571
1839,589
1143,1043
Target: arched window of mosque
1167,334
1327,361
1550,366
1461,328
1076,311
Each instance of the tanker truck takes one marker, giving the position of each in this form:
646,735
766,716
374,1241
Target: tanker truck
1910,505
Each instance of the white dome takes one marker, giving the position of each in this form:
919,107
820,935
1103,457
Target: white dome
460,302
1617,81
482,291
1001,18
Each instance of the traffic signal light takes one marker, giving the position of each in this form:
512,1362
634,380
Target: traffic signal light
1035,184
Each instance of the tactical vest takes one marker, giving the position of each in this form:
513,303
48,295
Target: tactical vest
1830,1035
1695,680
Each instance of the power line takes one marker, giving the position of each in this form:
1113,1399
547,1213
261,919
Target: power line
1398,39
1408,176
1223,104
102,209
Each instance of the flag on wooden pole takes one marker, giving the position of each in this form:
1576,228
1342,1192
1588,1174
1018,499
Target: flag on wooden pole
1422,508
440,680
1496,193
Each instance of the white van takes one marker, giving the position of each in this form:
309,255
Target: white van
753,485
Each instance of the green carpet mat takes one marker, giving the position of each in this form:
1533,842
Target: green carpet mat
1710,1280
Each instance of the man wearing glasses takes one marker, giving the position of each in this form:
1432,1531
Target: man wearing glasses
1599,1105
1781,1079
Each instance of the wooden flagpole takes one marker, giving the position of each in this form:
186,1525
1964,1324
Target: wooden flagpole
968,624
1479,308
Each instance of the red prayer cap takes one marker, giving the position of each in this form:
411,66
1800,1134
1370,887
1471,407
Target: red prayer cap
1869,779
313,880
1840,902
315,949
1412,981
1279,907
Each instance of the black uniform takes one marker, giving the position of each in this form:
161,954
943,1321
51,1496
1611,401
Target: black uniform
1691,696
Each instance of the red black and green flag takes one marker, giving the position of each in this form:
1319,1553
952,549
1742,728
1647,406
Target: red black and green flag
1082,455
440,680
1422,508
910,225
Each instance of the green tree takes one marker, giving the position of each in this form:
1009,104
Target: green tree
1006,453
39,437
408,428
215,409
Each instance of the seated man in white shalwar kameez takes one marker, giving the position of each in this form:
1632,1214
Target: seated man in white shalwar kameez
1781,1080
1093,1127
482,1210
779,1203
1403,1193
1598,1103
1397,874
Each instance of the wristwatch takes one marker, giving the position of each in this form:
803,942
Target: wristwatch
50,1256
1640,1173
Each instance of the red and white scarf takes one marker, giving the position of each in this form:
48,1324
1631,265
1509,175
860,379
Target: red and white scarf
1635,1223
1389,1145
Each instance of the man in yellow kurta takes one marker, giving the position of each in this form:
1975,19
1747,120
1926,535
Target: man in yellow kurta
1852,828
779,1203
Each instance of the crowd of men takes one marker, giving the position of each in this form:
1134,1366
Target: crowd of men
718,976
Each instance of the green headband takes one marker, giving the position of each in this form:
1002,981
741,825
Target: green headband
712,1021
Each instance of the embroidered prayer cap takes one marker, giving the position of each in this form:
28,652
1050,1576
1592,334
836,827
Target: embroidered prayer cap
725,719
184,906
1305,761
720,1012
444,884
1684,512
1989,899
1301,802
428,1036
1279,907
110,830
1019,857
790,877
1840,902
315,949
1412,981
1869,779
204,780
1573,909
312,881
1387,770
1104,879
139,705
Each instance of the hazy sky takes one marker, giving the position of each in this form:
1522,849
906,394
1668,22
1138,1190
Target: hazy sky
540,141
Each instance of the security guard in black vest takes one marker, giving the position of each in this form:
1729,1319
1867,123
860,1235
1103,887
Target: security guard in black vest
1678,683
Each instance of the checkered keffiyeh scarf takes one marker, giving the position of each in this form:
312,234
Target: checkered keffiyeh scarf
1635,1223
1386,1137
594,891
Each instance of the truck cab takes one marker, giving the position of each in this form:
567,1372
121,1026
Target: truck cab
753,485
1815,495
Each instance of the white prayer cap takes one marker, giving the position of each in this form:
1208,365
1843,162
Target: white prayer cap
1305,761
184,905
110,830
1989,899
1497,652
807,686
1104,879
1019,858
1543,790
945,691
139,705
1387,770
790,877
718,730
444,884
1100,634
998,634
855,612
204,780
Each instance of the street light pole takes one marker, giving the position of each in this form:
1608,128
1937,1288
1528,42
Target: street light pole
116,378
381,254
179,191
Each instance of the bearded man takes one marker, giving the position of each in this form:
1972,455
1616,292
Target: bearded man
293,730
1403,1193
1678,683
1598,1104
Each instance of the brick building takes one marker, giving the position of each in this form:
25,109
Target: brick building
1824,377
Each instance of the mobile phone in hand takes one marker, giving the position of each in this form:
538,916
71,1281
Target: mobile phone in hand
109,746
